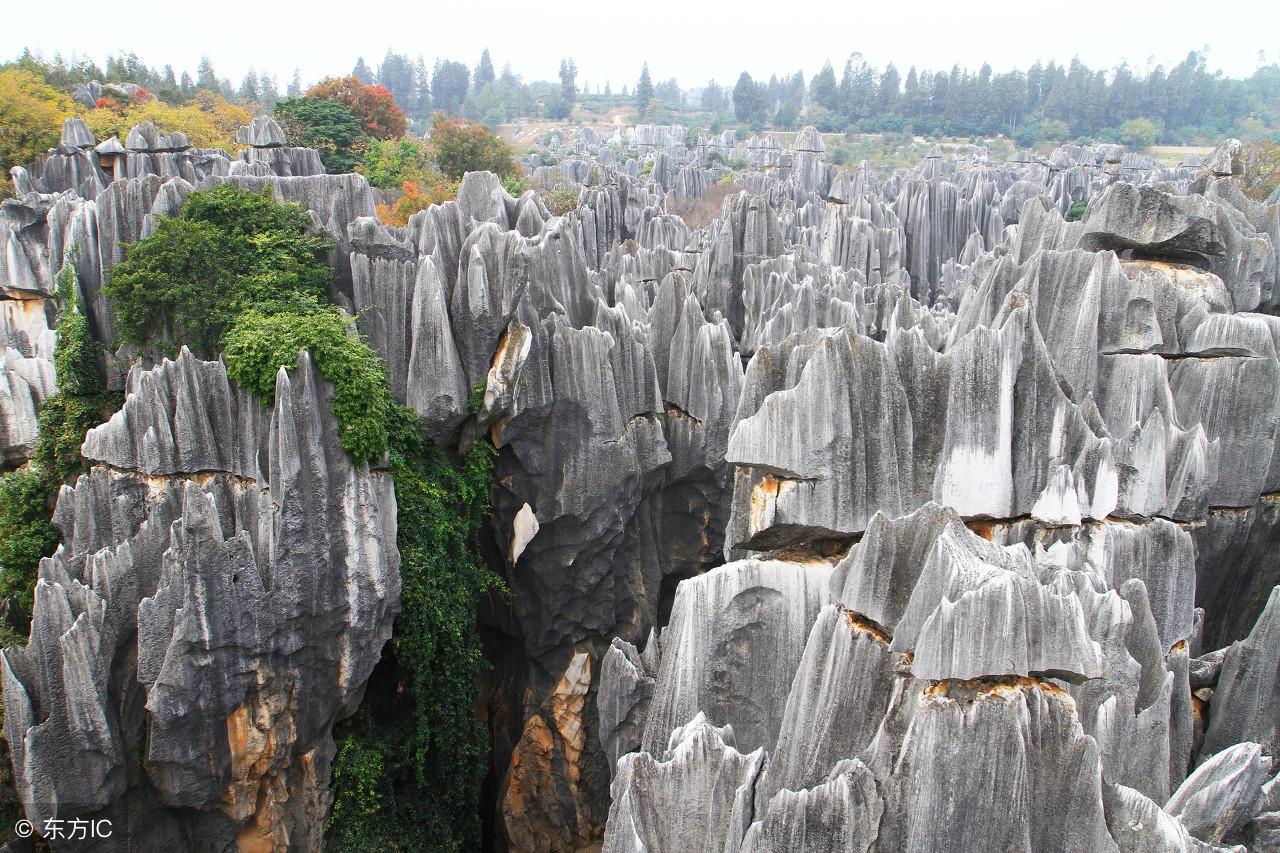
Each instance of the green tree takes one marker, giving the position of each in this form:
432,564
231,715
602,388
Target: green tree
888,93
422,90
362,71
484,71
398,74
713,98
1138,133
1028,134
250,88
1055,130
569,80
644,90
556,107
750,102
389,163
822,88
206,77
326,125
449,82
787,117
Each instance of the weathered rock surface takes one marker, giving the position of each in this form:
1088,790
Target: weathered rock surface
703,788
1223,794
985,481
928,599
262,132
228,560
1246,704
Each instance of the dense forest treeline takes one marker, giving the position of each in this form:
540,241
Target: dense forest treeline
1054,102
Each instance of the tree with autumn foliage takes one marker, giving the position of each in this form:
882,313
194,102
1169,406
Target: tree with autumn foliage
31,114
208,120
462,146
379,114
416,197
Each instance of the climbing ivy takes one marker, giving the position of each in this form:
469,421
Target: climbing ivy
27,495
475,403
63,420
409,764
81,402
258,345
78,353
26,535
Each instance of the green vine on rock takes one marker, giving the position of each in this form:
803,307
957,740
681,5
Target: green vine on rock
26,535
27,495
258,345
475,403
409,764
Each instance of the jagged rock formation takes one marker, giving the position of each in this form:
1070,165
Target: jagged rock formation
202,566
1041,479
269,153
200,562
875,514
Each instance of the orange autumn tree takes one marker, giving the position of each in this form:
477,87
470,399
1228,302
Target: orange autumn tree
414,198
377,110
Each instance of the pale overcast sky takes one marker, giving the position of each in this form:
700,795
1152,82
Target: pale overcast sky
691,41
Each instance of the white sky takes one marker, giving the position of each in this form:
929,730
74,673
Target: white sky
689,40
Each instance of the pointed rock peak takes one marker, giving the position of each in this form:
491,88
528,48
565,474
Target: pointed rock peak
110,145
262,132
809,140
1225,160
76,134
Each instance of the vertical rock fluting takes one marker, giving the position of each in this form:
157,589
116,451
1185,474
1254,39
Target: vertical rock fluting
988,484
225,586
1096,424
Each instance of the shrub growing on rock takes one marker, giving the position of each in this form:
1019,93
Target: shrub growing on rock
228,251
258,345
389,163
26,535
